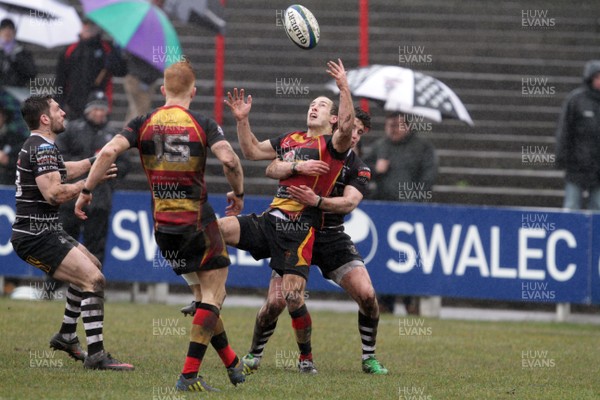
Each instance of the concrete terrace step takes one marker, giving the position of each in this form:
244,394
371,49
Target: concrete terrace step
500,177
479,49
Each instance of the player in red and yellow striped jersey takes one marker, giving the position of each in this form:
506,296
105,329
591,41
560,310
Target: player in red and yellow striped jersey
173,143
289,226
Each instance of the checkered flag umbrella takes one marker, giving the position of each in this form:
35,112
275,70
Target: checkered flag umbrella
404,90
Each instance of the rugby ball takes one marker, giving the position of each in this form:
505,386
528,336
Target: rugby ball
301,27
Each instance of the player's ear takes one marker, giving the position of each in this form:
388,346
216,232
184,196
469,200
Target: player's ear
44,119
333,119
193,93
162,90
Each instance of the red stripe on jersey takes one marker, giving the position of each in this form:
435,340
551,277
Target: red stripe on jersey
176,217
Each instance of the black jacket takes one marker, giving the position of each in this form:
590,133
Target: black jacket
17,68
578,133
85,66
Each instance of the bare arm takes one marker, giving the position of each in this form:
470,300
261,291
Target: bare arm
342,137
232,168
56,192
75,169
284,169
339,205
251,147
101,167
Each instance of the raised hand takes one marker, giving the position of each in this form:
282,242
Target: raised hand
239,106
337,72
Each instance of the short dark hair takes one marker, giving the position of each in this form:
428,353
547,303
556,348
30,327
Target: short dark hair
7,23
363,116
335,110
33,108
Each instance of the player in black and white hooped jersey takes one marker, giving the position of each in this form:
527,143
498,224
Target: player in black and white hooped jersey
38,238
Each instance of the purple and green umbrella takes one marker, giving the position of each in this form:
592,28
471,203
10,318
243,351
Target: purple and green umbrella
138,26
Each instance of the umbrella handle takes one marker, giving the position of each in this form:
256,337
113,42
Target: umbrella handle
100,77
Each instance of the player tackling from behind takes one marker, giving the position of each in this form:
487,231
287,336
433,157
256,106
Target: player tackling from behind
38,238
173,143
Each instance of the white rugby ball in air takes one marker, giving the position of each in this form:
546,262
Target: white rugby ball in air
301,27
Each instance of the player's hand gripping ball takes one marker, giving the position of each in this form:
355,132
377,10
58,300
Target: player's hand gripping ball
301,27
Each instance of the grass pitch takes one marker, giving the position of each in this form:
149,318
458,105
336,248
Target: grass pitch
427,358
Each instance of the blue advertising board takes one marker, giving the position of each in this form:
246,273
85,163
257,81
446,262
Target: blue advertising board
413,249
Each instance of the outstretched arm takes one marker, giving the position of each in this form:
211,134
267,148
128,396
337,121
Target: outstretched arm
342,137
75,169
251,147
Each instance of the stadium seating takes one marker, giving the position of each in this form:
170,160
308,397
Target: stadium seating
480,49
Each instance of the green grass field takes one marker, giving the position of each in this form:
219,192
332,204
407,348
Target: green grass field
427,358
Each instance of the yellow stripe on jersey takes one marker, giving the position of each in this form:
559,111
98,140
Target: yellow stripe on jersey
287,204
178,205
152,163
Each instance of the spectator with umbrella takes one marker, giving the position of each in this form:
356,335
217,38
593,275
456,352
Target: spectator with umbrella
140,84
17,67
85,66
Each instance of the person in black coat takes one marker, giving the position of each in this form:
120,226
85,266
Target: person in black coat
17,67
578,141
85,66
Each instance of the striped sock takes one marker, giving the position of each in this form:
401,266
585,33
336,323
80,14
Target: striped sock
302,324
203,326
367,327
260,337
68,329
221,344
92,314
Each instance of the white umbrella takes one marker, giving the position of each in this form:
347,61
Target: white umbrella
404,90
48,23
